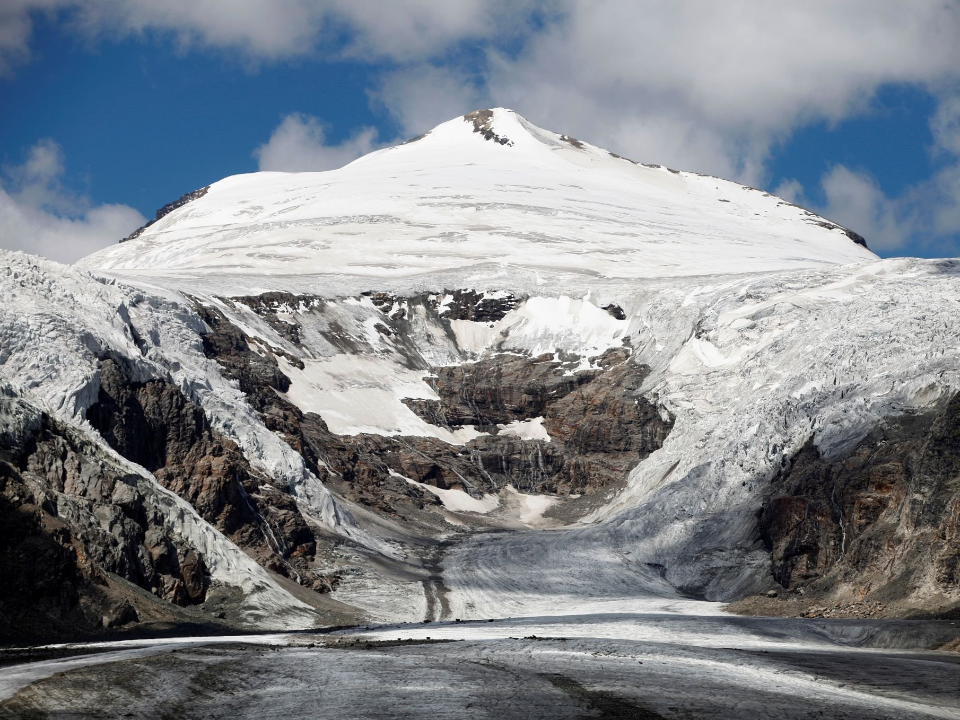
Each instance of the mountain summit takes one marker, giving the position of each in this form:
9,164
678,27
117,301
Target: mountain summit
485,188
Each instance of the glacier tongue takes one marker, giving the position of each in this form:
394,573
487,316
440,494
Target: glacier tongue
821,354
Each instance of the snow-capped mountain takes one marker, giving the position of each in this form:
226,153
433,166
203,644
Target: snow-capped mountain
489,189
698,388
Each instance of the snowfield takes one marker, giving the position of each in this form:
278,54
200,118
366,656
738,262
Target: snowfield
453,200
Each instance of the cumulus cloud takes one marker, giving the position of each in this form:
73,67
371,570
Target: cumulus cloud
713,87
925,215
855,200
299,144
277,29
38,216
423,96
16,27
945,125
413,30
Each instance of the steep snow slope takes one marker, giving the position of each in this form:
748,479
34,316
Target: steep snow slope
488,188
57,323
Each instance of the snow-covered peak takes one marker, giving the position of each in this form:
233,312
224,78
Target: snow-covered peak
488,188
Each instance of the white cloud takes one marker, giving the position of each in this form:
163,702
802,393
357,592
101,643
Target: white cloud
299,144
791,191
712,87
705,86
945,125
709,86
277,29
413,30
945,202
855,200
38,216
423,96
16,27
926,215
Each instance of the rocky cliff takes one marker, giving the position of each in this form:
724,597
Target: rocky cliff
74,526
876,527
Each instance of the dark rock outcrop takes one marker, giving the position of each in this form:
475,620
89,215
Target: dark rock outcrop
599,424
154,425
498,390
483,123
70,520
880,524
479,306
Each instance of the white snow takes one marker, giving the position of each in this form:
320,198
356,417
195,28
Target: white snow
357,394
811,361
760,329
457,500
529,429
455,200
57,323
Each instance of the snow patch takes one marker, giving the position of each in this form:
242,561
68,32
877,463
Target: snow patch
357,394
457,500
529,429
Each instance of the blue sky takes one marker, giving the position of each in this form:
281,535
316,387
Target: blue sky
110,109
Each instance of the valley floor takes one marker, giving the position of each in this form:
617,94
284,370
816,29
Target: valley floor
676,659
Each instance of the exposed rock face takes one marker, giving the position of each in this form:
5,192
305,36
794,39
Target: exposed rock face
69,517
499,389
477,306
879,524
598,423
154,425
483,123
351,464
